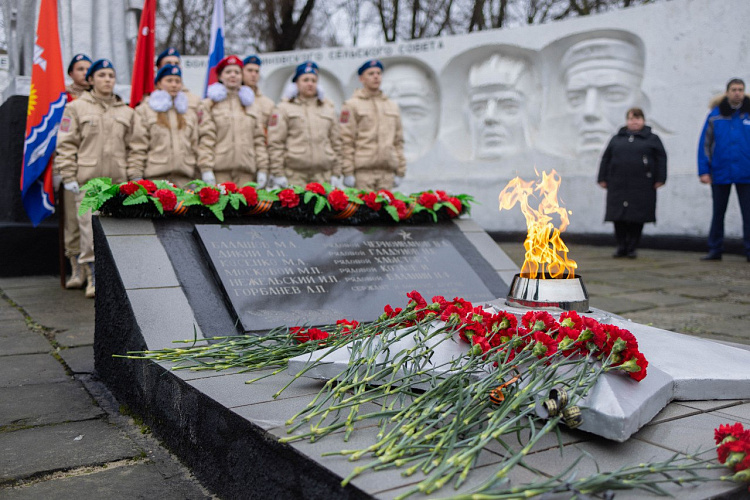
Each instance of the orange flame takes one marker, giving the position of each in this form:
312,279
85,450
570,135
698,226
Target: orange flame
546,254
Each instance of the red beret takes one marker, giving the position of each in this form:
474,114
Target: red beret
228,61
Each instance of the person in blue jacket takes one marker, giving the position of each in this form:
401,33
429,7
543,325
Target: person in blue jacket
723,160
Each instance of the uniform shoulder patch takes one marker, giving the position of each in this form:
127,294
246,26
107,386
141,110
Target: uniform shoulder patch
344,116
65,124
273,120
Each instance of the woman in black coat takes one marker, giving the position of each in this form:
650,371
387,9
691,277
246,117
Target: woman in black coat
633,167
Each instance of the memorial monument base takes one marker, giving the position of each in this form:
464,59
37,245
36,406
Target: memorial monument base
227,431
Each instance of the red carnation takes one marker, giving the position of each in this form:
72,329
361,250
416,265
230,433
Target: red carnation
369,200
150,186
129,188
539,320
338,199
208,195
250,194
427,199
347,326
545,345
480,345
288,198
167,198
736,431
316,188
387,194
417,299
230,187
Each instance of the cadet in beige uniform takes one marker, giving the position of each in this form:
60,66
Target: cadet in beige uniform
232,146
303,134
165,133
92,142
77,70
171,56
372,138
263,104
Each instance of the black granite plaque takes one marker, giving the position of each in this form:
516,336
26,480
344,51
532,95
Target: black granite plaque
315,275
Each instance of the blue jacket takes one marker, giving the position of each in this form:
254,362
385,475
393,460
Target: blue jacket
724,148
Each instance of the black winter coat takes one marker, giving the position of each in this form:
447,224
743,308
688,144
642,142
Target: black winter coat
630,166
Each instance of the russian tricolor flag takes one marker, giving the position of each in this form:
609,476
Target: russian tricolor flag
46,104
216,52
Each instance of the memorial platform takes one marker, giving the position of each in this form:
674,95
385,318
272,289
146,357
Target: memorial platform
227,431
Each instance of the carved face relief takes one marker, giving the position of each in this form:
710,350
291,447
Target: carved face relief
497,122
598,100
414,93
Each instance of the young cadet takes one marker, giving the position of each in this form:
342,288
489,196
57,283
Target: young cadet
92,142
303,134
232,145
77,70
372,138
264,105
165,132
171,56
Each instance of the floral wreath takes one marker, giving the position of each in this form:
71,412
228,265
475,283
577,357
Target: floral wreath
315,202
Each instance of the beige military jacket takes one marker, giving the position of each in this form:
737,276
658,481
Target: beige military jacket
264,106
231,137
303,134
156,152
93,139
194,101
372,137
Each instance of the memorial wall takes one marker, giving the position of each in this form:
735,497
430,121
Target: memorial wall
482,108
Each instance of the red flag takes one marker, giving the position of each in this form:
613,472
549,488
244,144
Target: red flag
45,109
143,67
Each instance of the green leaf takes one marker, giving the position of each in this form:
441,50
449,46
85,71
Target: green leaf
234,202
217,211
88,204
264,195
320,204
158,205
308,195
393,211
136,198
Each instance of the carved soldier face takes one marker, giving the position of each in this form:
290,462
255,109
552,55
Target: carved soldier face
497,122
414,93
598,99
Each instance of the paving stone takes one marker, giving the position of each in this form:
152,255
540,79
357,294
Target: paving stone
673,411
661,299
9,283
61,447
20,340
689,434
28,369
741,412
79,359
76,337
139,480
9,313
714,308
44,404
618,305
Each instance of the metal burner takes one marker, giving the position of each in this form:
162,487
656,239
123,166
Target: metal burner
561,294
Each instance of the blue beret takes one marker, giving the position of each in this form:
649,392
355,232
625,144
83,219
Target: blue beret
253,59
167,70
77,58
305,67
169,51
372,63
99,64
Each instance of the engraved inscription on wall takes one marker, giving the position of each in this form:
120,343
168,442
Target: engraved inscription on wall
274,276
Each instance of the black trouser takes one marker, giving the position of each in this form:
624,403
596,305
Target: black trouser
628,235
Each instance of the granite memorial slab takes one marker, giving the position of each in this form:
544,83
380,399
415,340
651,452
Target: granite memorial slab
315,275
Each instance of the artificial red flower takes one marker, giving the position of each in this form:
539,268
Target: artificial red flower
250,194
150,186
442,195
338,199
129,188
387,194
316,188
288,198
427,199
167,198
456,203
230,187
369,199
208,195
401,208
